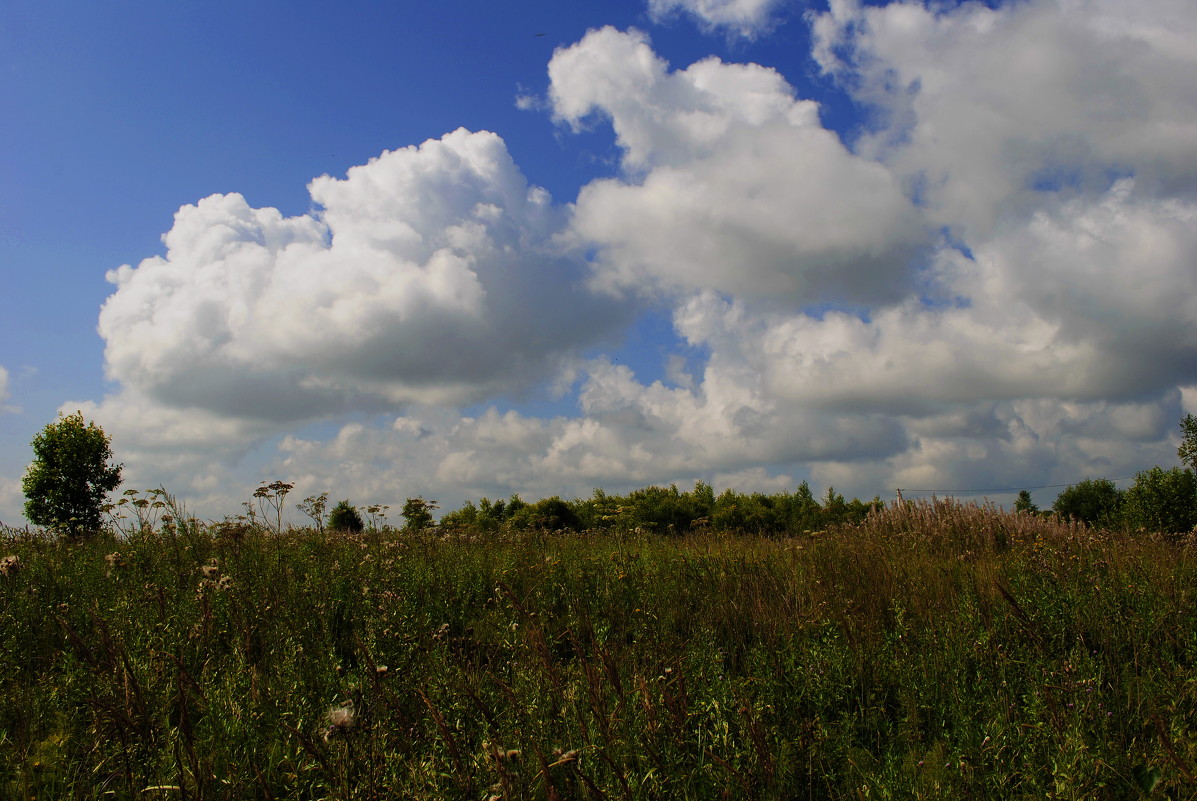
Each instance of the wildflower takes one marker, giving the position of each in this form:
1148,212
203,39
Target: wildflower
341,719
9,565
211,570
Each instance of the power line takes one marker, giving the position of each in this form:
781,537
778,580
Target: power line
1002,489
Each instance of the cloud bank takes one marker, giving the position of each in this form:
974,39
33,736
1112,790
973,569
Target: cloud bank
993,285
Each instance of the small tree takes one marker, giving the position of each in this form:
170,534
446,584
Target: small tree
344,517
1188,442
1095,501
1024,505
1163,501
417,514
70,477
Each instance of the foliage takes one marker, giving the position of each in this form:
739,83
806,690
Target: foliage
461,519
547,514
932,650
1024,504
1095,501
666,510
1163,501
345,517
70,476
1188,443
417,514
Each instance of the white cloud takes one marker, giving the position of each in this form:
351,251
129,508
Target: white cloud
986,108
4,391
1050,333
746,18
733,183
427,276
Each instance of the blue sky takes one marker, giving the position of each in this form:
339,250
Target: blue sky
395,249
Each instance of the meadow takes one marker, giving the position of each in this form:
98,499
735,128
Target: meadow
932,650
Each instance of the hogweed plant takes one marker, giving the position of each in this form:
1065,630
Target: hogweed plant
272,496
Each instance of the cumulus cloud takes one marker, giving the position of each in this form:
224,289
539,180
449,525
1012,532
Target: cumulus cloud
427,275
732,183
986,110
994,287
747,18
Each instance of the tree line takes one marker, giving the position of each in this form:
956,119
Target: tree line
70,478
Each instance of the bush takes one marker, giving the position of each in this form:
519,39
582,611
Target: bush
70,477
344,517
1164,501
417,514
666,510
1095,501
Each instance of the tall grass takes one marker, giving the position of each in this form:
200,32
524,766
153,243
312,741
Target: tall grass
936,650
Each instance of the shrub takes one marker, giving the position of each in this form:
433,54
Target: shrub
665,509
70,476
461,519
1188,441
1164,501
1095,501
344,517
417,514
554,514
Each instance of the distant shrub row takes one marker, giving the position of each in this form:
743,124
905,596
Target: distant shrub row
665,510
1160,500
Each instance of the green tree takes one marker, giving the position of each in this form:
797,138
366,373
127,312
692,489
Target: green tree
1163,501
70,477
1024,503
1188,442
417,514
345,517
1095,501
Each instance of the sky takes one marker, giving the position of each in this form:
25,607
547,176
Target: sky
467,249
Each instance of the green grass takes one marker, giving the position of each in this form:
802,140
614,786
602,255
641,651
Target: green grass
936,651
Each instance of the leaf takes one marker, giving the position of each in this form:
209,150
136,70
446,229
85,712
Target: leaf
1147,778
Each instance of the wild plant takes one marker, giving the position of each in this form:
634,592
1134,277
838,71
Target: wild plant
935,650
272,496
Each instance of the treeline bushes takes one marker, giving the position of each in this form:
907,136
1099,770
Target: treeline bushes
1160,500
665,510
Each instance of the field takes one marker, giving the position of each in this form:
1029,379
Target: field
934,651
